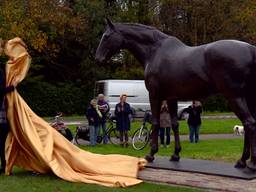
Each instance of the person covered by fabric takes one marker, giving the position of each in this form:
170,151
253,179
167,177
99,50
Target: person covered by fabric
93,115
104,109
4,127
165,125
122,113
32,144
194,120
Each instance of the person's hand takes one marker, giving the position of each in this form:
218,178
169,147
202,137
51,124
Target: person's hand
92,119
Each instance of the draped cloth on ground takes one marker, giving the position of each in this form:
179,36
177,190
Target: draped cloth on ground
34,145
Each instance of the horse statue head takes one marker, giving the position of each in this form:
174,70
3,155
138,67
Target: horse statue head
110,43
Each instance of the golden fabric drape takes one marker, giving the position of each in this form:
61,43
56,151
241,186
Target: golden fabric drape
34,145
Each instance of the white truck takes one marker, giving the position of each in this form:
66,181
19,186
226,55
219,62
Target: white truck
137,95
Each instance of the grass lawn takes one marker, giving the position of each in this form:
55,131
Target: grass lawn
221,150
23,182
228,150
209,126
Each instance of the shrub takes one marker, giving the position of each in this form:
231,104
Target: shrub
216,103
46,99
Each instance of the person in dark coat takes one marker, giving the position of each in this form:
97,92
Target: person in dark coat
194,120
122,113
104,109
4,128
165,125
93,115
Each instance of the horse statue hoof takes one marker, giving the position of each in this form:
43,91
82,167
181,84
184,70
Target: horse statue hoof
175,158
240,164
149,158
252,166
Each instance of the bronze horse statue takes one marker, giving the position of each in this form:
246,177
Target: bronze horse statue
175,71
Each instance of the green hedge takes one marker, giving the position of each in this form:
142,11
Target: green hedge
46,99
216,103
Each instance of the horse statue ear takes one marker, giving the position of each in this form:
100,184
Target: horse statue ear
110,24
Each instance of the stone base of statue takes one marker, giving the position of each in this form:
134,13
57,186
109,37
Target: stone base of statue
210,175
204,167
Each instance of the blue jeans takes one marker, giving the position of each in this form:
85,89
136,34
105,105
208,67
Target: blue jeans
168,133
194,132
104,132
93,134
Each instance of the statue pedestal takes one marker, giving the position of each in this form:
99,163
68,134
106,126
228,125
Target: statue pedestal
203,167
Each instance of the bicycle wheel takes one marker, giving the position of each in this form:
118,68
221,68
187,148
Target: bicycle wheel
99,139
81,135
77,138
140,138
113,136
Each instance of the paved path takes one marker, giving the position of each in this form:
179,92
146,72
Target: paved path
203,117
213,136
219,116
207,182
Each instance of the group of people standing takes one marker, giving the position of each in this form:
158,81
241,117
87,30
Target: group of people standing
98,110
97,117
194,122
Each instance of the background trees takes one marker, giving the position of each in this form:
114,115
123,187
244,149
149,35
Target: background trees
62,36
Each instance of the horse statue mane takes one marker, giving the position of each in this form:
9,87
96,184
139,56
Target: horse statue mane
147,33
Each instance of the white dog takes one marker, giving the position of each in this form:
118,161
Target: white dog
238,130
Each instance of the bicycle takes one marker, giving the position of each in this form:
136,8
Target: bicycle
59,125
83,132
142,136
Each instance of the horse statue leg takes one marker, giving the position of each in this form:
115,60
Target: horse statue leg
241,163
240,108
173,109
155,104
251,135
